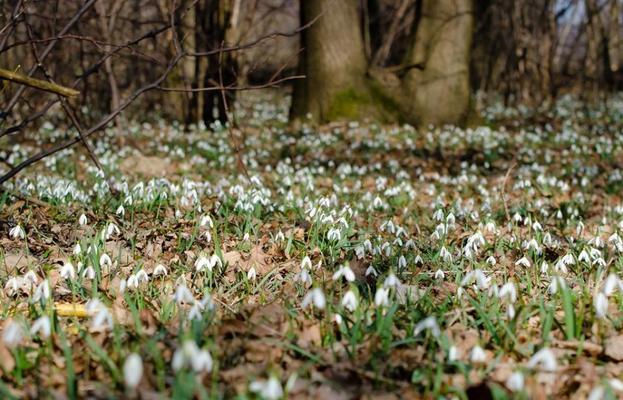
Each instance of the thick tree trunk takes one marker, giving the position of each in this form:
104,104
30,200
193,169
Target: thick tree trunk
439,77
340,84
334,63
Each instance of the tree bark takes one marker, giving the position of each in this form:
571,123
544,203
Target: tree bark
439,82
341,83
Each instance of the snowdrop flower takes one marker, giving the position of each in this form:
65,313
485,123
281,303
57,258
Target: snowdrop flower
349,301
82,220
344,271
545,359
337,318
391,281
440,275
105,261
556,284
269,390
508,290
445,255
583,257
477,355
67,271
17,232
42,292
418,260
280,237
491,261
306,263
190,355
304,277
381,297
42,326
111,230
523,261
453,353
120,211
183,295
206,220
132,370
204,262
371,271
12,334
88,273
515,382
600,302
160,270
334,235
102,320
428,323
611,284
598,393
482,281
315,297
13,285
251,274
77,249
402,262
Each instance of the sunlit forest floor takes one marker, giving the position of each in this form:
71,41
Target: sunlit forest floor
353,261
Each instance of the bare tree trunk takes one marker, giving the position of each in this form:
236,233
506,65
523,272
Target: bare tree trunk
341,84
440,56
333,61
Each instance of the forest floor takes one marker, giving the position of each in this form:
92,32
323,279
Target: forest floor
349,261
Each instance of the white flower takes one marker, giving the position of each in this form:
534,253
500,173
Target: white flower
381,297
523,261
349,301
111,229
598,393
269,390
102,320
306,263
346,272
105,261
482,281
12,334
616,384
183,295
120,211
204,262
371,271
453,353
42,326
67,271
17,232
315,297
508,290
611,284
334,235
304,277
428,323
132,370
600,302
42,292
206,220
439,275
77,249
251,274
190,355
556,284
88,273
160,270
391,281
82,220
545,359
477,355
13,285
515,382
280,237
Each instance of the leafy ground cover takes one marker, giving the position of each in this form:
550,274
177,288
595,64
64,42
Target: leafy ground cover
353,261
